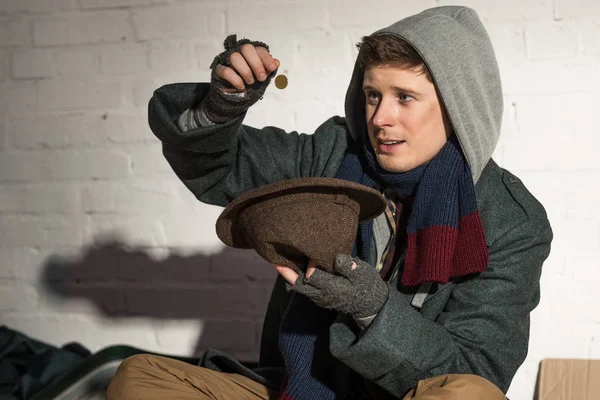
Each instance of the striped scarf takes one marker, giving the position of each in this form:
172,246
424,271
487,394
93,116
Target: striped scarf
445,240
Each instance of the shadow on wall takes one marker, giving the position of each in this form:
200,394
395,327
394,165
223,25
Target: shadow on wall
229,291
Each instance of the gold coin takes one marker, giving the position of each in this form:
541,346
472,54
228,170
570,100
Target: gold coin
281,81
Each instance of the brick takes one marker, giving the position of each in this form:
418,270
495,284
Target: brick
321,52
234,335
170,57
148,160
94,332
176,336
199,302
509,44
575,8
522,385
77,129
124,59
550,76
92,164
144,89
197,230
42,231
240,265
21,166
270,112
139,332
24,264
61,93
575,236
4,65
3,133
589,31
307,121
131,230
360,13
17,297
147,198
582,290
191,20
67,297
545,184
548,40
34,63
261,18
559,154
15,32
82,28
37,6
539,115
127,128
44,63
205,54
75,62
96,4
18,96
41,198
110,263
530,10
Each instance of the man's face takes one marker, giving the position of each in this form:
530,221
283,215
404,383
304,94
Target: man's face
405,120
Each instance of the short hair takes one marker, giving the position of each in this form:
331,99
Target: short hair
389,50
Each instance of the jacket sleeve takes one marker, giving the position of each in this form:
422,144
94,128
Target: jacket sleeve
220,162
483,329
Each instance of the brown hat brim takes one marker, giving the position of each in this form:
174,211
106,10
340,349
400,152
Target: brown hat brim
371,202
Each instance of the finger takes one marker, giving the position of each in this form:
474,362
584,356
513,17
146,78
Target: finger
307,290
344,265
310,268
241,67
229,75
322,280
253,59
270,63
287,273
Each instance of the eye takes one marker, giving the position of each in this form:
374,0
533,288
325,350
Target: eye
372,97
405,97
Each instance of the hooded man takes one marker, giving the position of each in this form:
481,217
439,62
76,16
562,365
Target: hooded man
435,300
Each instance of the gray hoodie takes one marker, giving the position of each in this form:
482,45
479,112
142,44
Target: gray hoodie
461,60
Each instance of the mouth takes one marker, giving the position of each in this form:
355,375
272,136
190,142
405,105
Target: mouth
389,146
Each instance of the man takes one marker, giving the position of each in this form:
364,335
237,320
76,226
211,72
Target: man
434,302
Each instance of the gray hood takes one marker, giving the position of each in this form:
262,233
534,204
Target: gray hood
460,57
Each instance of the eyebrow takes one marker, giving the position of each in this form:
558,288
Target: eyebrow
396,88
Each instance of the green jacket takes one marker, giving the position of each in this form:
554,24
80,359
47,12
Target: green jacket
477,325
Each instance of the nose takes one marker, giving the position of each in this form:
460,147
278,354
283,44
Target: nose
384,115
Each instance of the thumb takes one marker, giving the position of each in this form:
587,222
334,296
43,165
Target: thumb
343,264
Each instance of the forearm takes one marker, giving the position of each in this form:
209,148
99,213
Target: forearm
397,351
219,162
480,326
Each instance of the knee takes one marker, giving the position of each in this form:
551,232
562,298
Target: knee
123,383
477,386
481,382
134,365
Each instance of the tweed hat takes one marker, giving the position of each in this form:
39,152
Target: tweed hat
294,221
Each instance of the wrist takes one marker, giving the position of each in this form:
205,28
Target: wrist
219,106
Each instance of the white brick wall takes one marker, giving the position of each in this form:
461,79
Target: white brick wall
100,242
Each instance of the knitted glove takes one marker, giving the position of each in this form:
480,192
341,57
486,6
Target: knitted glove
219,106
358,292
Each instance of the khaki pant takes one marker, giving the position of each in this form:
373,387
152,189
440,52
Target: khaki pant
152,377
